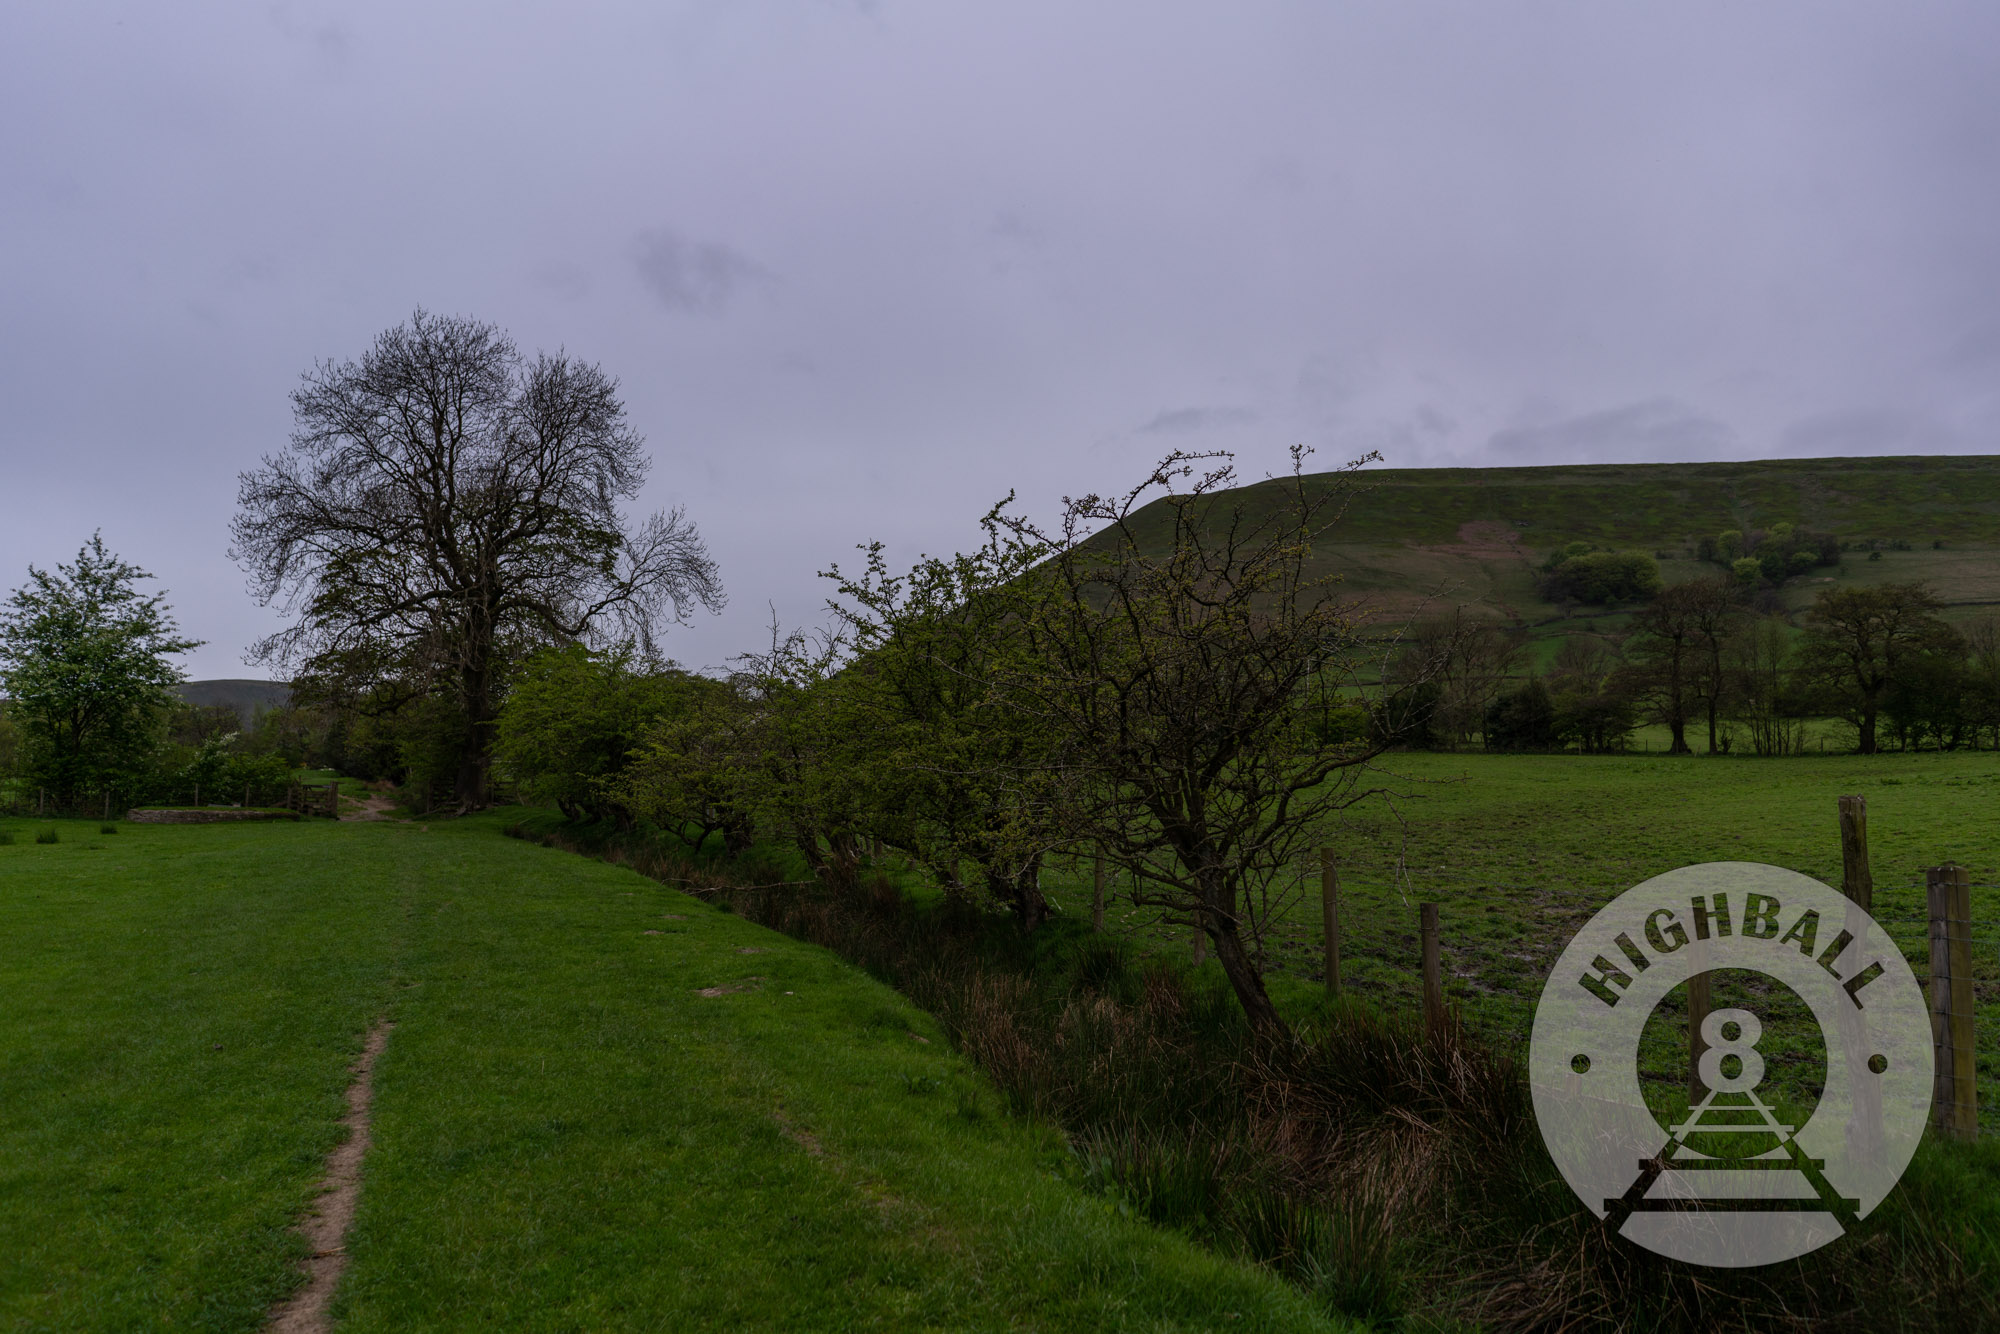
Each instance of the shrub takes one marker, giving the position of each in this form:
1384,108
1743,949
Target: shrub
1602,577
1523,719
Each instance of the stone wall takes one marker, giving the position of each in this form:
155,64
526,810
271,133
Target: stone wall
206,815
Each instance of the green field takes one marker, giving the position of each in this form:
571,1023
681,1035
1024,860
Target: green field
1518,851
567,1133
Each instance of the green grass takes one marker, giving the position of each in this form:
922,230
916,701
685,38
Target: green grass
319,778
1657,505
1138,1067
1519,851
1420,539
181,1005
567,1134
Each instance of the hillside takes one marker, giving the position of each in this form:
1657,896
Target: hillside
1416,537
248,698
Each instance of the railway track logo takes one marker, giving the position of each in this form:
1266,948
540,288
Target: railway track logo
1743,1177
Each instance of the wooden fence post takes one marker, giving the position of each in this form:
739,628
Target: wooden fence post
1955,1093
1329,913
1427,917
1856,880
1698,1006
1097,894
1857,883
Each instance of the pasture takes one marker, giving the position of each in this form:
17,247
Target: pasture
1519,850
603,1105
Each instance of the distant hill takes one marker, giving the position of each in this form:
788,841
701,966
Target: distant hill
1436,537
248,698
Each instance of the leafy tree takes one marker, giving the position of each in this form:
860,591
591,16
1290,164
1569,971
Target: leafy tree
445,507
956,772
694,771
1522,719
1592,710
1778,553
1930,700
809,771
1601,577
1982,678
192,724
84,661
572,721
10,745
1860,640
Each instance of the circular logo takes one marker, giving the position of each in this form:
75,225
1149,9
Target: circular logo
1741,1176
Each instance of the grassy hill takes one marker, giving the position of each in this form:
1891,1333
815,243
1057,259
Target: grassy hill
248,698
1437,537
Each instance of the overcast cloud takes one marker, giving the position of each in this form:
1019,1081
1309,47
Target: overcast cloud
863,268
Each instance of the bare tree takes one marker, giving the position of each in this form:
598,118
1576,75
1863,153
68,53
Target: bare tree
1177,655
1714,606
1676,646
447,504
1469,658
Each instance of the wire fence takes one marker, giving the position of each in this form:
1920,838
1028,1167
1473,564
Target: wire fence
1380,940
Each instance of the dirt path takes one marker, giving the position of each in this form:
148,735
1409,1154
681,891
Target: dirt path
326,1227
374,806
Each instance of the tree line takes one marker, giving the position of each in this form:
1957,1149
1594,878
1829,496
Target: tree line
1145,680
1161,677
1703,661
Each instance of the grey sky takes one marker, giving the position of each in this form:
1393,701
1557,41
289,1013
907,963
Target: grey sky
863,268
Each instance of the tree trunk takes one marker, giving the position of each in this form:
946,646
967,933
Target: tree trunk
1244,979
1022,893
1868,731
469,789
842,864
807,843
